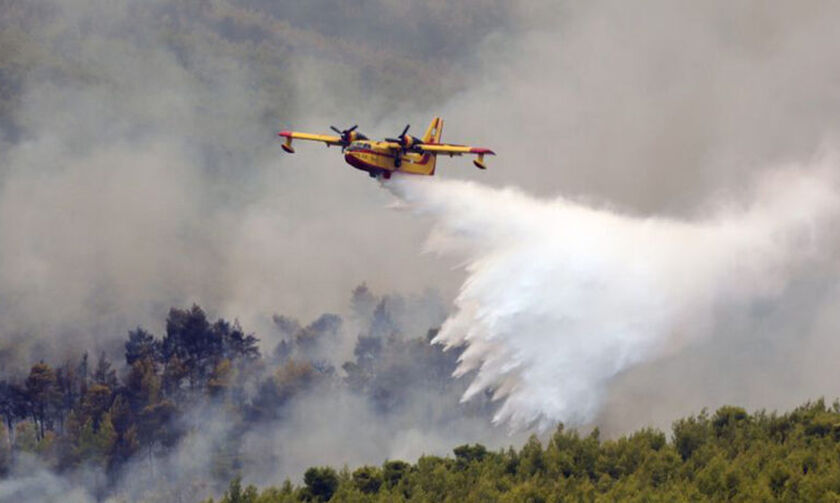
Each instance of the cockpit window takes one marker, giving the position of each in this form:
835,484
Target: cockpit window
356,145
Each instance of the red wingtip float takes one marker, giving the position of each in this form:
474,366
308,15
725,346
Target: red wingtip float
287,145
404,154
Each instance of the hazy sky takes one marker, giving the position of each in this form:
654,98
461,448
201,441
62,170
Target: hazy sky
143,171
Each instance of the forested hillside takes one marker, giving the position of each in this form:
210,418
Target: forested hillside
206,383
726,456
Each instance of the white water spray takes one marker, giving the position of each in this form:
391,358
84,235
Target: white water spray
560,297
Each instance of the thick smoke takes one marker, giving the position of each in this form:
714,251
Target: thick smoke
138,171
561,297
30,481
139,166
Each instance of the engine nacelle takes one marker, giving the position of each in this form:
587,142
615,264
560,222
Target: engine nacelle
352,136
409,141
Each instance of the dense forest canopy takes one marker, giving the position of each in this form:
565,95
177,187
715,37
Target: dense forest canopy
726,456
99,414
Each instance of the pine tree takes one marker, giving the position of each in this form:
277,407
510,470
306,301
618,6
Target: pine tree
42,394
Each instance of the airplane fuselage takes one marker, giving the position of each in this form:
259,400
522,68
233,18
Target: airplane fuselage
381,160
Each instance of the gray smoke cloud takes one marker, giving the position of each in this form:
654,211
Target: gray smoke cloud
139,170
31,481
654,106
138,167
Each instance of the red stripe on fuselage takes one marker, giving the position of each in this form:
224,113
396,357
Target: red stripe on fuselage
422,162
360,164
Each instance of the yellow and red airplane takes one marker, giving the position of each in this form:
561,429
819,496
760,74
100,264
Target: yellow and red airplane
404,154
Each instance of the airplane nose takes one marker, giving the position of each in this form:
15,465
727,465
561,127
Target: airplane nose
351,159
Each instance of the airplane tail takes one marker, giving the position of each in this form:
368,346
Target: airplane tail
432,135
434,131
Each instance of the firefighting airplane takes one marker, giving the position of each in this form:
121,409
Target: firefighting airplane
404,154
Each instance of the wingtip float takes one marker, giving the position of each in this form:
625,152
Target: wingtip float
403,154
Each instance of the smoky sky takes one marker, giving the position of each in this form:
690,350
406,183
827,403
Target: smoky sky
139,167
655,105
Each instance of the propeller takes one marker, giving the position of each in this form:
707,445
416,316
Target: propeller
405,140
348,135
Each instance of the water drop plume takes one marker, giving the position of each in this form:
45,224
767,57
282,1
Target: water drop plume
559,297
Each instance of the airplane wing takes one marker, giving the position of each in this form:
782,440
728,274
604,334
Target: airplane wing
450,150
290,135
446,149
439,148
